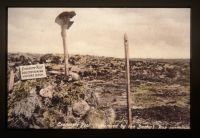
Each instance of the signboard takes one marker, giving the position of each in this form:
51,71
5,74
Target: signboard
32,71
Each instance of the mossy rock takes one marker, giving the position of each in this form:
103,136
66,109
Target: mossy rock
110,116
80,108
70,92
95,119
51,118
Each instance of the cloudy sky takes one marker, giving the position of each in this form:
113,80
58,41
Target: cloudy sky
152,32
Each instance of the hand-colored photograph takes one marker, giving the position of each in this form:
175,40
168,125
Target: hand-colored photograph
98,68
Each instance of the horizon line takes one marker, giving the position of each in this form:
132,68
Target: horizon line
99,55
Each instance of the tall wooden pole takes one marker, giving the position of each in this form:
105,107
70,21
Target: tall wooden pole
128,80
64,36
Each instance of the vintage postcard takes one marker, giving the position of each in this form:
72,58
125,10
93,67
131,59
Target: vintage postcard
98,68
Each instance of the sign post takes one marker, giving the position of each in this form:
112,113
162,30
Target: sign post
128,80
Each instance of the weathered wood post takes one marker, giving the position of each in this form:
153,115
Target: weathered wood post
63,20
11,80
128,80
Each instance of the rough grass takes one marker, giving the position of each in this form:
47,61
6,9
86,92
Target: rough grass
162,94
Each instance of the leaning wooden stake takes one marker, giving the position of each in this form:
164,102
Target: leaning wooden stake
11,80
128,80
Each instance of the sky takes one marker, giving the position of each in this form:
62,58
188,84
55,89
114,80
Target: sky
152,32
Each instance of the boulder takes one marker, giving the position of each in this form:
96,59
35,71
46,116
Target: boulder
80,108
25,60
95,119
56,60
110,116
45,58
92,99
47,92
50,58
73,76
74,60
